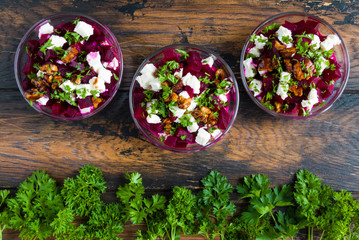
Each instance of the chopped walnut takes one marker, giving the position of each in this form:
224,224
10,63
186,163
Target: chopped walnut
278,46
32,94
166,83
177,86
220,74
184,103
96,101
297,71
212,120
75,79
168,125
202,114
288,65
40,84
298,91
287,52
71,55
172,97
57,80
278,106
49,69
310,68
265,65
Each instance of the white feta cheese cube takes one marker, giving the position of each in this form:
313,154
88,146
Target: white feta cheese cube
94,60
193,82
113,64
179,73
323,63
283,86
192,106
149,69
184,94
105,74
97,84
177,112
203,137
255,51
144,83
315,42
57,41
216,133
149,106
68,86
84,29
285,36
155,84
47,28
260,41
312,99
330,42
43,100
209,61
40,73
84,90
223,97
249,68
85,110
153,118
256,87
194,127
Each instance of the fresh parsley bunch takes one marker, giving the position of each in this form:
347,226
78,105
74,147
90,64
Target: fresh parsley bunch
34,207
3,212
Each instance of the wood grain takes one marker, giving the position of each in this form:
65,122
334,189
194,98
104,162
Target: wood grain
327,145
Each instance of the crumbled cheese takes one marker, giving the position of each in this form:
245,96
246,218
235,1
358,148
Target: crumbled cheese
216,133
203,137
184,94
322,63
153,118
46,29
43,100
283,32
84,29
66,84
260,41
209,61
249,68
223,97
193,82
283,86
94,60
40,73
57,41
177,112
105,74
315,42
194,127
256,87
149,106
86,110
255,52
262,72
113,64
330,42
312,99
87,88
192,106
179,73
147,80
97,84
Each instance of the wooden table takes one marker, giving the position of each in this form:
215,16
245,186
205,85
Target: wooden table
327,145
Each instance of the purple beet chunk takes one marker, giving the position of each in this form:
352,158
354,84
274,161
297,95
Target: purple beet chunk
28,67
71,111
138,113
85,103
189,91
291,26
158,127
267,83
62,69
194,64
310,27
32,46
190,137
224,119
207,69
26,84
57,109
64,27
170,55
138,96
171,141
77,65
50,54
108,55
324,90
181,143
88,76
92,47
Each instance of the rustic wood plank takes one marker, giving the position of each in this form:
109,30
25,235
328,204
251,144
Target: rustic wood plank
145,26
327,145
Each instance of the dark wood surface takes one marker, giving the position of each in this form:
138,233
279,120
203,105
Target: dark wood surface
327,145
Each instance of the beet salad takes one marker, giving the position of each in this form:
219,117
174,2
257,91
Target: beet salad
72,69
183,99
291,68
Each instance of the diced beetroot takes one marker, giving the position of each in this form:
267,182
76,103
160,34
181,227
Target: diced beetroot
194,63
207,69
291,26
57,109
190,137
224,119
77,65
50,54
26,84
28,67
324,90
88,76
64,27
203,87
92,47
267,83
311,27
138,113
39,56
108,55
86,102
71,111
138,96
189,91
171,141
32,46
170,55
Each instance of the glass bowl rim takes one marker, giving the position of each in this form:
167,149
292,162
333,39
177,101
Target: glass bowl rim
236,95
59,16
346,69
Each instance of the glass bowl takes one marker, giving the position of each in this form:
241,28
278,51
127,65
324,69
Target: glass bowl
340,51
156,57
62,110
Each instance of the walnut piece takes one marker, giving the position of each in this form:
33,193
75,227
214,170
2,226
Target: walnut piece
32,94
278,106
71,55
96,101
184,103
172,97
298,91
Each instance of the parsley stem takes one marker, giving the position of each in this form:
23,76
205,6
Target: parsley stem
273,218
321,236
